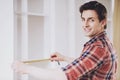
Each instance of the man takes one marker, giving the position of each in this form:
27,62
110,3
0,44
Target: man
97,61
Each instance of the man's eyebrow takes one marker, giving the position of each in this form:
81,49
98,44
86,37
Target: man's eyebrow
89,18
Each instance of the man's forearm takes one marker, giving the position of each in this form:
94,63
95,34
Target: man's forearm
47,74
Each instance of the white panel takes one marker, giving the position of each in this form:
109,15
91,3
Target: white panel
61,26
6,39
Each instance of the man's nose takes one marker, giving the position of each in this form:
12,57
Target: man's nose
85,23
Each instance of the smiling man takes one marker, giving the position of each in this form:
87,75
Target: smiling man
98,58
98,61
93,19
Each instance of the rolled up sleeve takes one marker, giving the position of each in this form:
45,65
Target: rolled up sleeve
90,59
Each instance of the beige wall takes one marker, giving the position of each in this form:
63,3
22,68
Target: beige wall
116,33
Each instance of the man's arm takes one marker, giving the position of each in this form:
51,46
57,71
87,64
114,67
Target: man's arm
85,63
46,74
59,57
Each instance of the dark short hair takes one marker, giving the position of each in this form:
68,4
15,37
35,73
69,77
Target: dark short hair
98,7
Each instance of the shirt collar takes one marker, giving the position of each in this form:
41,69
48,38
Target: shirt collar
94,39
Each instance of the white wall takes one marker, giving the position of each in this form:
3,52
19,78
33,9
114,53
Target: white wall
6,39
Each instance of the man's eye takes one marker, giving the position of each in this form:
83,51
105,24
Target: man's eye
91,20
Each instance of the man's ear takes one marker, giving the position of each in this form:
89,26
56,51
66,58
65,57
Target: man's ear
103,23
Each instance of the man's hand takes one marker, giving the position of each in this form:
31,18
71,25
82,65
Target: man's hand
57,57
20,67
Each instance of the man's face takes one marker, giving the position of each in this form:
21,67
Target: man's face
91,24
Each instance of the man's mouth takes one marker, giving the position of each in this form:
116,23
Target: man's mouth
87,30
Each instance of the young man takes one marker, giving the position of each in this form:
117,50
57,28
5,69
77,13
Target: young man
97,61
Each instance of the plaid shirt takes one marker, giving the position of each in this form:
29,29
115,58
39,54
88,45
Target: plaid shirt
97,62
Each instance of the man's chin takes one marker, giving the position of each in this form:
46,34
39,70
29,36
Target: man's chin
88,35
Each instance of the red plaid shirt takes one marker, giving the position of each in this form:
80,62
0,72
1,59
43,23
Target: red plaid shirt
97,62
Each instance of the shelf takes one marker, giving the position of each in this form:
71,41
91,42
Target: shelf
31,13
36,14
30,31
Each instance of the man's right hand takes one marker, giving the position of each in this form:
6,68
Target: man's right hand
57,57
